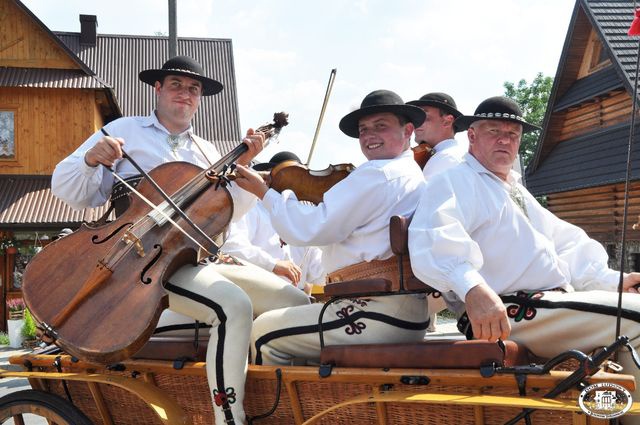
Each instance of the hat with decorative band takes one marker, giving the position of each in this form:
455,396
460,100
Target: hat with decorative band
496,108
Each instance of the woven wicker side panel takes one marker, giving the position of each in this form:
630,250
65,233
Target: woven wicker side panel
433,414
81,397
191,393
318,396
126,408
259,397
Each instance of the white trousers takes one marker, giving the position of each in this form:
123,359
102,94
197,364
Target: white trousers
552,322
283,336
224,297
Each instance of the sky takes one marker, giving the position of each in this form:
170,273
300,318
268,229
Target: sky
284,51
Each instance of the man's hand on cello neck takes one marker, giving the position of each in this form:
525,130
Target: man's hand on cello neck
255,142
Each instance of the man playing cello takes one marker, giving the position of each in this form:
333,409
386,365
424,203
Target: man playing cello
213,292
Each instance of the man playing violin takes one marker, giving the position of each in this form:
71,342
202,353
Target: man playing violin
351,225
214,292
438,133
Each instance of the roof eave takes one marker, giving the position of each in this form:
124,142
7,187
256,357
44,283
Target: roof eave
55,38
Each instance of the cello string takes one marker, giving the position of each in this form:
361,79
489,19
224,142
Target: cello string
159,211
167,198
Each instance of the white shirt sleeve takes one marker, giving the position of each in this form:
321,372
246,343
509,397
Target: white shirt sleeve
78,184
586,258
345,207
442,251
239,242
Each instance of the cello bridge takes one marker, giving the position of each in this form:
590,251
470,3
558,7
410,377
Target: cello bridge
131,239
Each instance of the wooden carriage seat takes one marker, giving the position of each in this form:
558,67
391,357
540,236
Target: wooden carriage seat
175,347
435,354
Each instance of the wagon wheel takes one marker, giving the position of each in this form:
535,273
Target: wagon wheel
22,406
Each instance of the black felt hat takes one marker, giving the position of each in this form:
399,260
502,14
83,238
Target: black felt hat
438,100
377,102
276,159
185,66
496,108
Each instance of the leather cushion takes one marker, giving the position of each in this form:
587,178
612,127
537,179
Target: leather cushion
443,354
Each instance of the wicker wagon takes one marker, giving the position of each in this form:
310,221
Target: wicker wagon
142,391
449,382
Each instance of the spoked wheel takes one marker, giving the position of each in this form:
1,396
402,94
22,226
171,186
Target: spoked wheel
30,407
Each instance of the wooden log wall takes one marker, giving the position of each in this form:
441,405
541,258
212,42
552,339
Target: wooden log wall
614,108
599,210
24,44
49,125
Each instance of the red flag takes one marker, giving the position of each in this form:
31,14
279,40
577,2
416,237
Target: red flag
634,29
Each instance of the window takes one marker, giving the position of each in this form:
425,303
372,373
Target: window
7,136
595,56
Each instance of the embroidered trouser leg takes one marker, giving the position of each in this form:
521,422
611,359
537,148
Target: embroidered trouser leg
203,294
266,291
551,322
279,336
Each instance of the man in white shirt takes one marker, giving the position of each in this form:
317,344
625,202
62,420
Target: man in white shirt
351,226
253,238
207,292
522,272
438,132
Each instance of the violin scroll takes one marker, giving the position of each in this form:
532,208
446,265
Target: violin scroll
280,119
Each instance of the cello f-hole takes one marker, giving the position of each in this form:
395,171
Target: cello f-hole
95,238
147,280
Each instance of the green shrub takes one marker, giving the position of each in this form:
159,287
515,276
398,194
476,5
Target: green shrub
4,338
29,328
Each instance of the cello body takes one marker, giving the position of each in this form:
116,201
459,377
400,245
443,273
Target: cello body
119,311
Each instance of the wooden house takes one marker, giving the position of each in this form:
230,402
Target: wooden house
581,159
58,88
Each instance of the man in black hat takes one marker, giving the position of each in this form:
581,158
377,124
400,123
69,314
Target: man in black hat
211,292
351,226
517,269
438,132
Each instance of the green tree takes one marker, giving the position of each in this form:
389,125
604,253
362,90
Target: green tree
532,99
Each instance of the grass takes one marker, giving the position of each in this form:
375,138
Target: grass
447,314
29,328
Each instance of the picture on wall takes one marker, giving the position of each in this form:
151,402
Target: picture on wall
7,136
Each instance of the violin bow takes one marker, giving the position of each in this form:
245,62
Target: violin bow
167,198
332,78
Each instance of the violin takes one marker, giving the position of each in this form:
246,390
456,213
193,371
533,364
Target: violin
308,185
421,154
98,292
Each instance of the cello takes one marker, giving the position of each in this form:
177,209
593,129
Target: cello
98,292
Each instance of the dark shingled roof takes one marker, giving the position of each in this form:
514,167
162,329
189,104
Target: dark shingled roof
590,160
596,84
117,59
27,201
562,167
